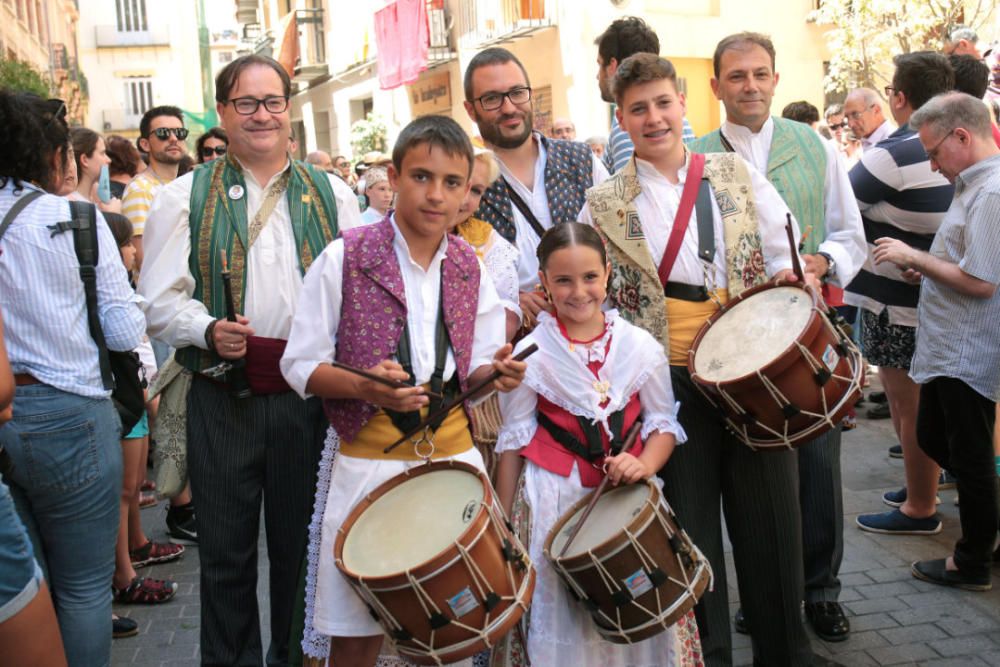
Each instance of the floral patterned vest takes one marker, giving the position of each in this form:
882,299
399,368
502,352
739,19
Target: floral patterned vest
569,171
374,311
635,288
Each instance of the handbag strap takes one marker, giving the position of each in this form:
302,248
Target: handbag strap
523,208
16,209
692,185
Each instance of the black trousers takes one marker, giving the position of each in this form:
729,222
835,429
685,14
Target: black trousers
759,492
955,428
238,452
821,499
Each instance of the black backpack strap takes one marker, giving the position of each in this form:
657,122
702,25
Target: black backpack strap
16,209
84,226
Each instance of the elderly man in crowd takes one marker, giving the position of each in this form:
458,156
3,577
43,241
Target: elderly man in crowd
863,111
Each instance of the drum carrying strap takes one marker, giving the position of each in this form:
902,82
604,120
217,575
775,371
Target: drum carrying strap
697,195
594,449
407,421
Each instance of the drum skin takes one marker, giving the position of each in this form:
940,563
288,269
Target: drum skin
619,558
792,375
446,576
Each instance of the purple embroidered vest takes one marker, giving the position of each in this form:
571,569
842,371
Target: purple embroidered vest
374,311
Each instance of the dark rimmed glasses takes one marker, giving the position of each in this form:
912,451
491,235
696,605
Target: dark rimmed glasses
163,133
247,106
493,101
208,151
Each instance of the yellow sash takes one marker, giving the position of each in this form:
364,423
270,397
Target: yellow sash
684,321
452,438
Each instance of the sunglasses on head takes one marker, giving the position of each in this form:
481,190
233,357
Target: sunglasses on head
207,151
163,133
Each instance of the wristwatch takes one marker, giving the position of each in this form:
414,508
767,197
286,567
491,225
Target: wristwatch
831,265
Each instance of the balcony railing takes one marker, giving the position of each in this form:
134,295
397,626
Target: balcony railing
441,47
484,22
111,36
312,46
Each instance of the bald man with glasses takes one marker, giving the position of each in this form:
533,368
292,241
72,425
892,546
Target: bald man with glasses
864,116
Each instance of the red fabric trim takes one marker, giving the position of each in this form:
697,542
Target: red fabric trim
683,217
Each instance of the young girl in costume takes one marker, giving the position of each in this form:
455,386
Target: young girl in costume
590,365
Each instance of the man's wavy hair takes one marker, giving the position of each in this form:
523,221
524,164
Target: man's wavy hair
32,131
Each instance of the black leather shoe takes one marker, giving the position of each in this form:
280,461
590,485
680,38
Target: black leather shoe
828,620
740,622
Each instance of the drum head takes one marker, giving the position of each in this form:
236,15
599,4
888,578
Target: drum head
613,512
412,523
752,334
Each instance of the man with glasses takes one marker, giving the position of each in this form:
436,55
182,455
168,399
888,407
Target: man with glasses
161,136
901,198
863,112
542,181
248,434
833,115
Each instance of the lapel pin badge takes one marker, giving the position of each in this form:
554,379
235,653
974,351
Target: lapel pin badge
236,192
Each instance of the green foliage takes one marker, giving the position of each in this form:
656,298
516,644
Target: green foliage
368,135
864,35
21,76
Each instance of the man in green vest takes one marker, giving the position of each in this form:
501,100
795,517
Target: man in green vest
226,249
806,171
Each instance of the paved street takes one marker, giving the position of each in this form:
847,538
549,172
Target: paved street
896,619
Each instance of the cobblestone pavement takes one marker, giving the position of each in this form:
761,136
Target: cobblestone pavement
895,619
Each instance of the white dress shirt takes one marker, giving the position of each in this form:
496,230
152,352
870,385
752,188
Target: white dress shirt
657,205
273,277
538,203
880,133
845,238
313,337
42,297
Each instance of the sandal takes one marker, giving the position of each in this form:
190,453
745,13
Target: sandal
147,499
147,485
155,552
145,590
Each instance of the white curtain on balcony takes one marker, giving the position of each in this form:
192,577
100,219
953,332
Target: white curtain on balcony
402,36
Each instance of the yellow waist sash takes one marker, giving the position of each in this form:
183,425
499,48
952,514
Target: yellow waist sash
684,321
452,438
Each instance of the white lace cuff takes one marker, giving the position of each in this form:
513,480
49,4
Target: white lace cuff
663,423
515,437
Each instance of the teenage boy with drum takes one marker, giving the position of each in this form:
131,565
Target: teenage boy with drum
374,298
745,244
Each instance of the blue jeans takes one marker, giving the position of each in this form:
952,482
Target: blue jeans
20,575
66,484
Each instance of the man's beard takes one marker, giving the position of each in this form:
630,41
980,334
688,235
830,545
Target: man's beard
491,134
605,86
164,157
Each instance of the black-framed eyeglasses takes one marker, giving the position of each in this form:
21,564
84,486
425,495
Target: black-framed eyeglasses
208,151
493,101
163,133
247,106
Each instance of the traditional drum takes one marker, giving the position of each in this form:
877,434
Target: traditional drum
430,553
631,565
779,369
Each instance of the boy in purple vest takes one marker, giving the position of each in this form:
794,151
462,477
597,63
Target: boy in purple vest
403,300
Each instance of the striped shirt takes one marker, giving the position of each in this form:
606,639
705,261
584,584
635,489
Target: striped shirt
899,197
959,335
42,298
138,199
620,146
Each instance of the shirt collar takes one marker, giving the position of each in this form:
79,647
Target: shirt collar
399,242
744,132
646,169
248,175
971,175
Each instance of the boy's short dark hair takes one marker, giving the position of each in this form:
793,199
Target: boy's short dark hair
156,112
439,131
641,68
802,112
972,76
228,75
921,75
625,37
740,41
491,56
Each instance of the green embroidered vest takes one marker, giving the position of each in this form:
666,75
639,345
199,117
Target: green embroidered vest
796,166
635,288
219,222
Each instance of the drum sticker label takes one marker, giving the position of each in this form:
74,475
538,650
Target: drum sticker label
469,511
462,603
638,583
830,357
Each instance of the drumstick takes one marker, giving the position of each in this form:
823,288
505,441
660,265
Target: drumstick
796,267
447,407
629,439
389,382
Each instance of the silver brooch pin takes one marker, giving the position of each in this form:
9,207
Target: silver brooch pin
236,192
